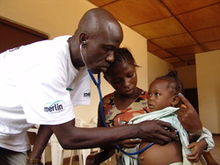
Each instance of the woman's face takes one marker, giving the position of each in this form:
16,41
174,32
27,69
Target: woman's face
123,78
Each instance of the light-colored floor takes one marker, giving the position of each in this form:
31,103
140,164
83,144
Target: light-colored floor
215,153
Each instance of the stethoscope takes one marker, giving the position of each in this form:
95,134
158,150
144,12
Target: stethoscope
101,110
101,107
102,114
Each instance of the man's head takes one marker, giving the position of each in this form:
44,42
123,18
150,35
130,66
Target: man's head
98,33
163,92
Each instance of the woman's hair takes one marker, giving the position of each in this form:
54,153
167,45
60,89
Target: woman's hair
121,55
173,78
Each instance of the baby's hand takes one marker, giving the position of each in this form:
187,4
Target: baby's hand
197,149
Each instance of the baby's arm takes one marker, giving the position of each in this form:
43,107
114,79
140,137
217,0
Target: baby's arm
197,149
204,143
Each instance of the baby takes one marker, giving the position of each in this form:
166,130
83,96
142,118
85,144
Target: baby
163,102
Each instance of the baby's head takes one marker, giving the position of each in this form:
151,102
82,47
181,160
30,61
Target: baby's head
163,92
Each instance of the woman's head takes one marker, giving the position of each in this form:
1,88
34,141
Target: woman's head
163,91
122,72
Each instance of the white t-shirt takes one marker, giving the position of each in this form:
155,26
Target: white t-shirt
38,85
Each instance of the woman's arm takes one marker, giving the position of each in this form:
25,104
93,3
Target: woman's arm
100,157
209,158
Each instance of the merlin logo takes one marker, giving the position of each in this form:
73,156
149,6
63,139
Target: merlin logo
86,93
57,106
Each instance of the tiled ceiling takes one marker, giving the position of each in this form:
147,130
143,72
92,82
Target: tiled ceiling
175,29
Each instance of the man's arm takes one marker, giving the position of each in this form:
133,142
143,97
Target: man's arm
43,136
71,137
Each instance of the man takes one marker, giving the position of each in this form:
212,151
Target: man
41,82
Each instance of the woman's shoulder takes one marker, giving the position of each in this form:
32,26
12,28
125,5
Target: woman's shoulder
108,97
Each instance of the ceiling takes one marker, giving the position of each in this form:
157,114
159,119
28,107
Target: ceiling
175,29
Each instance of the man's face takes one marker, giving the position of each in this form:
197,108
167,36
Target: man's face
160,96
99,50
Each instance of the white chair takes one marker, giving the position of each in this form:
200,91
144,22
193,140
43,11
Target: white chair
83,153
56,149
57,152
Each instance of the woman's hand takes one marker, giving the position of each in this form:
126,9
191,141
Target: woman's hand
188,116
98,158
91,160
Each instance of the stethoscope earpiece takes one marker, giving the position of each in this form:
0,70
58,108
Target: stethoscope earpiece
83,43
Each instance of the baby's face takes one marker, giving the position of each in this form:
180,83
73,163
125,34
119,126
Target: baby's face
160,95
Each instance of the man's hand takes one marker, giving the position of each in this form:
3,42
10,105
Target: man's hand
157,131
188,116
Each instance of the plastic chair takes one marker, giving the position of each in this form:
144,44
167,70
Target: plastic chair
56,149
57,152
83,153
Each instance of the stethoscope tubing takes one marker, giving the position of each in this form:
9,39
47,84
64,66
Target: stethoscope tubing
101,109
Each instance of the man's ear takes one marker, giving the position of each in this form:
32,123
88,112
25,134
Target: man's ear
83,39
175,101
